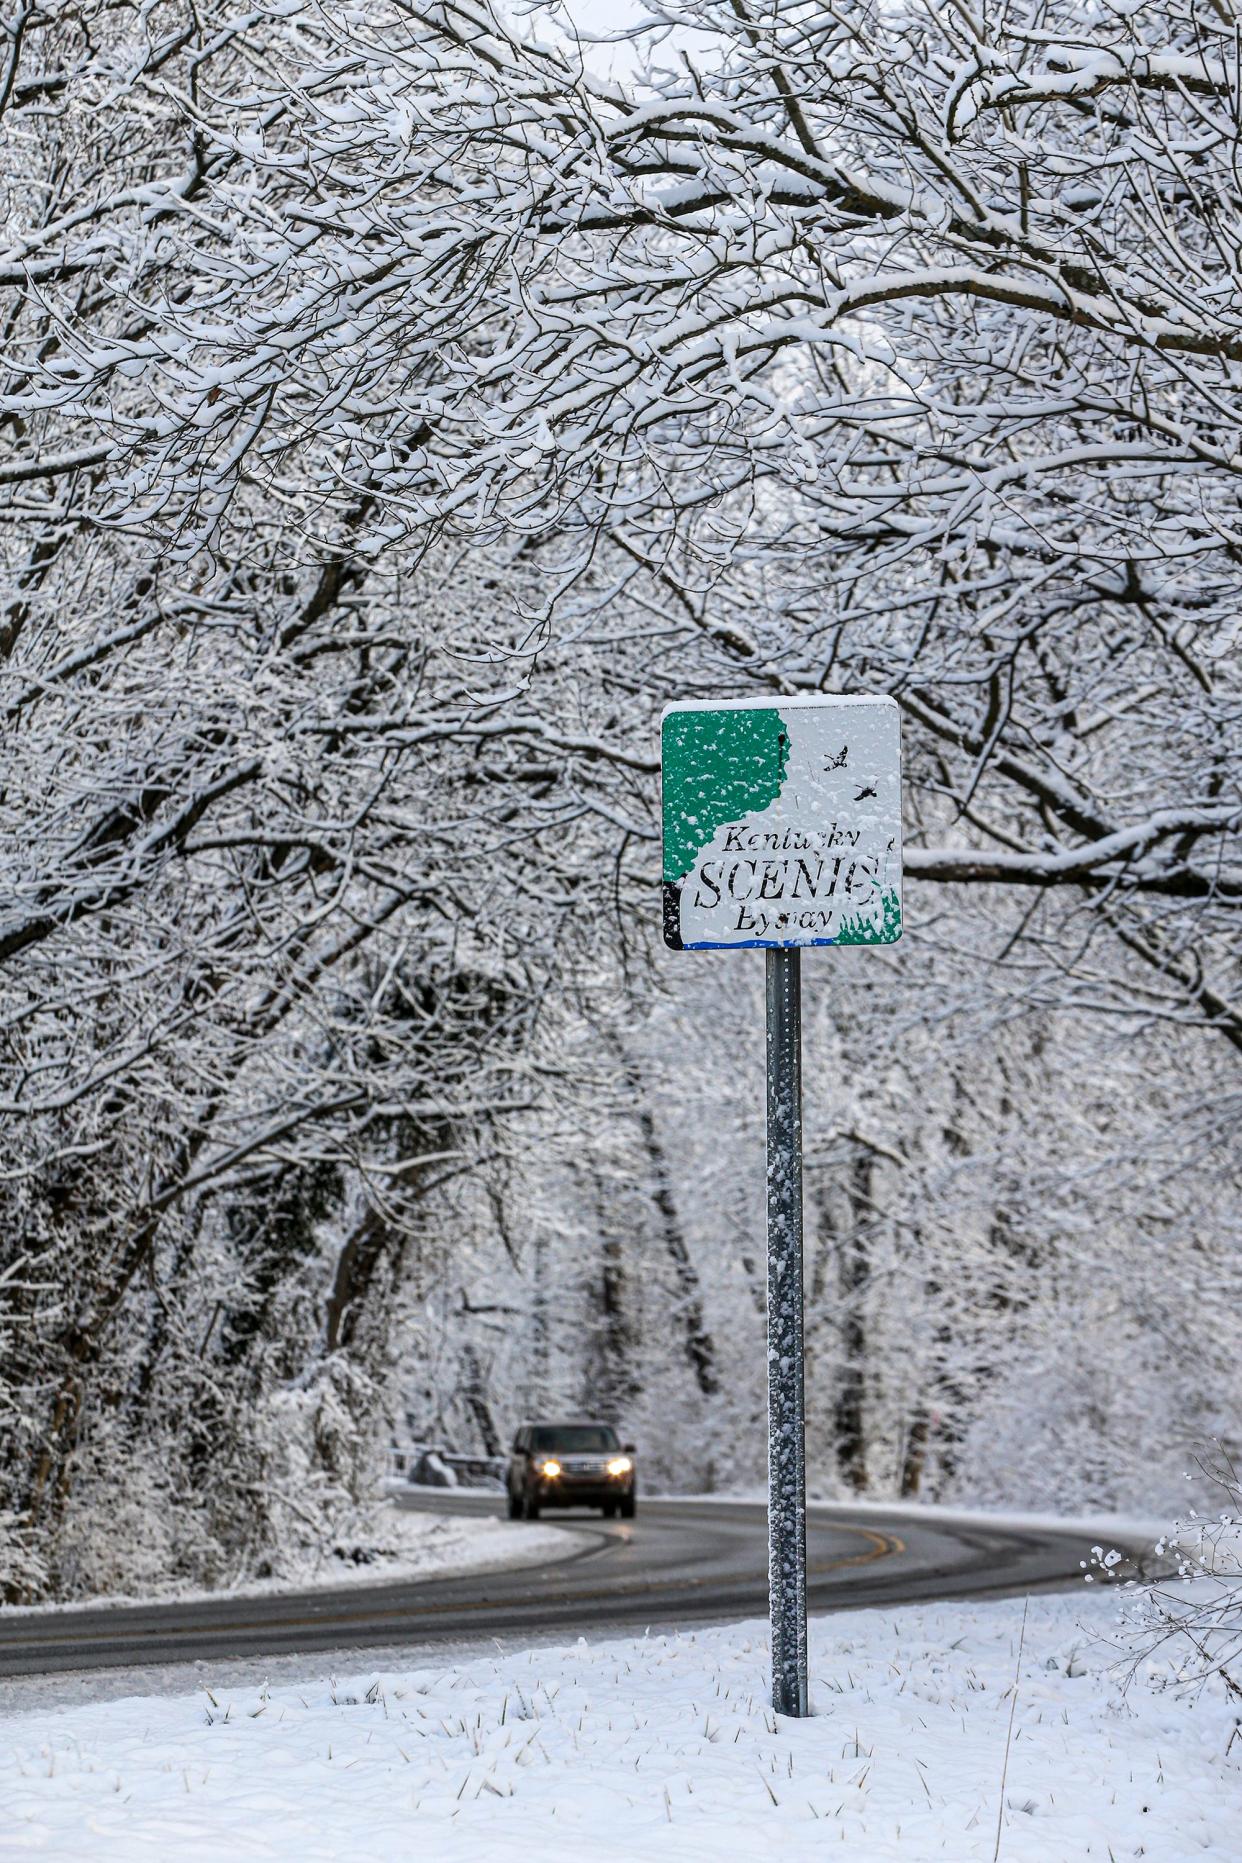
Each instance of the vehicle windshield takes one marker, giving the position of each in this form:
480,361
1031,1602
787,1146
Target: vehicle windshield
575,1439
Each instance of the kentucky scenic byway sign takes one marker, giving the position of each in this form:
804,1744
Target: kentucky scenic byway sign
782,823
782,828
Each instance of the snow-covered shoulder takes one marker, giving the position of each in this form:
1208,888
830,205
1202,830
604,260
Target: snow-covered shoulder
934,1728
405,1546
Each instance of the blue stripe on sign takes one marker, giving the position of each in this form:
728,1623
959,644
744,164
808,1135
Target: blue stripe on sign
757,944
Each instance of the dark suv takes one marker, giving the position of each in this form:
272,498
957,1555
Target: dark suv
570,1465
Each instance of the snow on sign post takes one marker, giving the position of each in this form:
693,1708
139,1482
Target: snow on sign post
782,828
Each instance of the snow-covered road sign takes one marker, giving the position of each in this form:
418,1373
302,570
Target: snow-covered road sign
782,827
782,823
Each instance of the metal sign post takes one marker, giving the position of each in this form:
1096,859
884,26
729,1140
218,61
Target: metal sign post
786,1396
782,828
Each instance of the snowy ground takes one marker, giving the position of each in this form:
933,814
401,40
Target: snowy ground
408,1545
659,1748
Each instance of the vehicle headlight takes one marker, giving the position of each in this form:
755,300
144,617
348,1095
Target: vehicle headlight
620,1465
550,1467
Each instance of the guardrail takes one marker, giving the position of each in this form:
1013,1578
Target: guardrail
432,1466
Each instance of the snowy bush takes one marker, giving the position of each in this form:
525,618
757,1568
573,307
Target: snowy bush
1183,1630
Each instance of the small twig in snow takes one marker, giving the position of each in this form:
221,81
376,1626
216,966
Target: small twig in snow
1013,1703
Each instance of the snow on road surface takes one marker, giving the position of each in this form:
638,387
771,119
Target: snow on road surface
405,1546
659,1748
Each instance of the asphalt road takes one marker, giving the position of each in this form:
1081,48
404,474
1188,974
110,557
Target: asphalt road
678,1563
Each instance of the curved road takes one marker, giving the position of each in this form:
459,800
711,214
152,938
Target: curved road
679,1562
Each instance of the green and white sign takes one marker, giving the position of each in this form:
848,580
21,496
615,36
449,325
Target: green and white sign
782,823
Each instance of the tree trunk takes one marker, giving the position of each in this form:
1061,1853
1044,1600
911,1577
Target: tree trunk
849,1410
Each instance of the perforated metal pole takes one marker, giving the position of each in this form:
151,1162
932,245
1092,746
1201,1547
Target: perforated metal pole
786,1403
